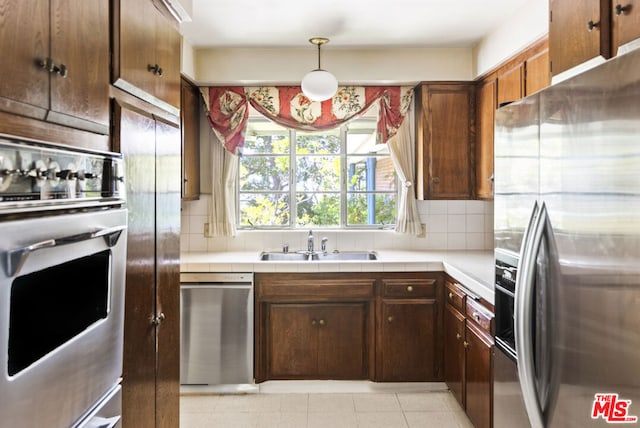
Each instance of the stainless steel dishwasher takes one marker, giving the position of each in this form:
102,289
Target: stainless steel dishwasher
216,321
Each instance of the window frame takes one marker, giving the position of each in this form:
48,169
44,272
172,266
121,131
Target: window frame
343,193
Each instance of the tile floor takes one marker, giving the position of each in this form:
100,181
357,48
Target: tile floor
319,406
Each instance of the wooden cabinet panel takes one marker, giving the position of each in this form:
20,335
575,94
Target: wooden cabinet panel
56,62
478,377
454,331
445,139
151,149
80,43
24,43
511,84
146,54
579,30
292,341
408,341
625,22
487,104
190,127
537,73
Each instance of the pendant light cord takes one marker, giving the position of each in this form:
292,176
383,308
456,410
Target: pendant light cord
319,56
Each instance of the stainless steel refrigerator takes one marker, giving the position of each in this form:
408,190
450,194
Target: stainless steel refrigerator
567,238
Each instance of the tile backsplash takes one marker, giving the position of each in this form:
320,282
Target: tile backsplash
450,225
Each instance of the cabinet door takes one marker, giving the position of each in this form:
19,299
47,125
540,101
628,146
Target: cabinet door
579,30
511,84
537,73
24,43
342,350
167,85
484,144
80,44
408,341
190,121
625,22
447,141
292,341
454,331
478,376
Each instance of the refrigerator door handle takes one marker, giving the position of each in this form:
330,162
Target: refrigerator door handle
524,314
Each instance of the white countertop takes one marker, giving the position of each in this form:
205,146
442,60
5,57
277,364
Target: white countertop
473,269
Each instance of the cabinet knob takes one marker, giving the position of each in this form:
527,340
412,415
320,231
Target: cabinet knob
458,336
592,25
622,9
390,319
322,322
409,288
61,70
157,320
476,316
465,344
436,180
313,322
451,295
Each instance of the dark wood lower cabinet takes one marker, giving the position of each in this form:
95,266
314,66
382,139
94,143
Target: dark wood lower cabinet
317,340
454,352
479,389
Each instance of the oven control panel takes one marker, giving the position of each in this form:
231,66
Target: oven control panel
33,175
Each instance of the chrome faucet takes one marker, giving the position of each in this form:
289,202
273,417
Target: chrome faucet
324,245
310,242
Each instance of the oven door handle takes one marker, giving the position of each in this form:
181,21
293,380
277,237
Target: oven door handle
16,258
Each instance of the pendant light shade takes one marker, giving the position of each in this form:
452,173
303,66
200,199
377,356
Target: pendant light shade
319,84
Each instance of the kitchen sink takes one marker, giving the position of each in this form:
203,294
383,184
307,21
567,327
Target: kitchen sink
288,257
346,255
318,256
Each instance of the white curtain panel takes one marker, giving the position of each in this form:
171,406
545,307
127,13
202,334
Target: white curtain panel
224,170
401,148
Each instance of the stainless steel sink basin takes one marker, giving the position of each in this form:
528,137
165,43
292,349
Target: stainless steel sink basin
346,255
303,256
288,257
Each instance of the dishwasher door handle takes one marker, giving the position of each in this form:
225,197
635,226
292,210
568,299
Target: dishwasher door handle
242,286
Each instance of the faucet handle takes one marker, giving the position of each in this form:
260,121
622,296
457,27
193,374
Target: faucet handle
285,248
324,244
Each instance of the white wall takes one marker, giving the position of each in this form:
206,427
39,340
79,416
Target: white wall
188,60
528,24
247,66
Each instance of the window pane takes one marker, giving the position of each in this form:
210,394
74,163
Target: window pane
325,142
265,137
371,173
318,209
318,173
371,208
264,173
264,209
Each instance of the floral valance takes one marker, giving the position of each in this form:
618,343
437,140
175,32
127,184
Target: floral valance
286,105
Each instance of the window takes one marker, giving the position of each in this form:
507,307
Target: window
335,178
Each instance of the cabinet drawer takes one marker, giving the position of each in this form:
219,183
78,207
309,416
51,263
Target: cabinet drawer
479,314
455,296
409,288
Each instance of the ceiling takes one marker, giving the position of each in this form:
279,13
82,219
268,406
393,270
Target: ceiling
348,23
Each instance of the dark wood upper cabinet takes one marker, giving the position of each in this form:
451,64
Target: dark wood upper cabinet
56,62
579,30
485,113
190,126
145,63
625,22
445,140
537,73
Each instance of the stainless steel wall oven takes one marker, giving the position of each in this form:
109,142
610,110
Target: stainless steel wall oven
63,225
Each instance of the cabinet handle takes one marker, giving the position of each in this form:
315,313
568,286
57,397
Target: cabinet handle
622,9
157,320
46,63
390,319
591,25
313,322
155,69
465,344
491,179
436,180
62,70
451,295
322,322
458,336
409,289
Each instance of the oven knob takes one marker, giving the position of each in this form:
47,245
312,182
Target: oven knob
69,173
39,170
53,169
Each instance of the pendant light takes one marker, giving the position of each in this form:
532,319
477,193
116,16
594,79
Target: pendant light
319,84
